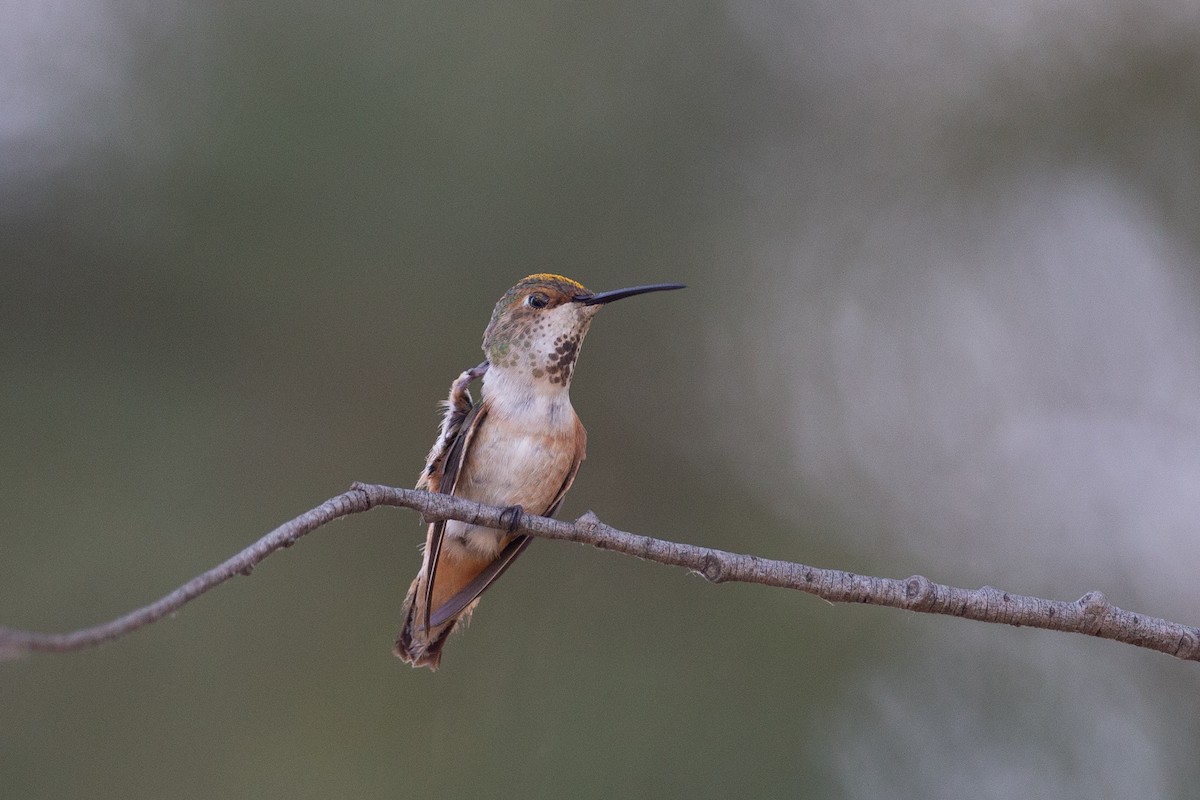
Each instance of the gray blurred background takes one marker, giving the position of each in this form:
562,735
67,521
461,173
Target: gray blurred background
943,317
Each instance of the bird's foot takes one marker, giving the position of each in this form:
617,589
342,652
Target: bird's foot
511,518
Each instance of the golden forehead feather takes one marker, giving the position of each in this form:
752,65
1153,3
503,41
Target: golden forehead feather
547,277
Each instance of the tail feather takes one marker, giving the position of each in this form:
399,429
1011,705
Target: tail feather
415,644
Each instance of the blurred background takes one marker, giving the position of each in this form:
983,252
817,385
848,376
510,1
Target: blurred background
943,317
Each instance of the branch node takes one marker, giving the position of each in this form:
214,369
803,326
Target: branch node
589,528
920,593
360,489
588,522
1188,646
1094,604
712,569
1096,608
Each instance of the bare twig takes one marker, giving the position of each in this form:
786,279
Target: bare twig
1092,614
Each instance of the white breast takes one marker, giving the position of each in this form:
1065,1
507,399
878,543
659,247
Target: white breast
521,454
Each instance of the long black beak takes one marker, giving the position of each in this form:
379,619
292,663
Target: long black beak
618,294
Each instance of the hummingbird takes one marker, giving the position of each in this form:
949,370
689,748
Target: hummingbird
519,447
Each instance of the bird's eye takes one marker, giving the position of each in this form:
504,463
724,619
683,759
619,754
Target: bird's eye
537,300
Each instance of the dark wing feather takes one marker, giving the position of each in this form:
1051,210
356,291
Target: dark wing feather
445,461
458,407
465,596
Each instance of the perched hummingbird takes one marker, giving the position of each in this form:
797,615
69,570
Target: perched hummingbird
520,447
